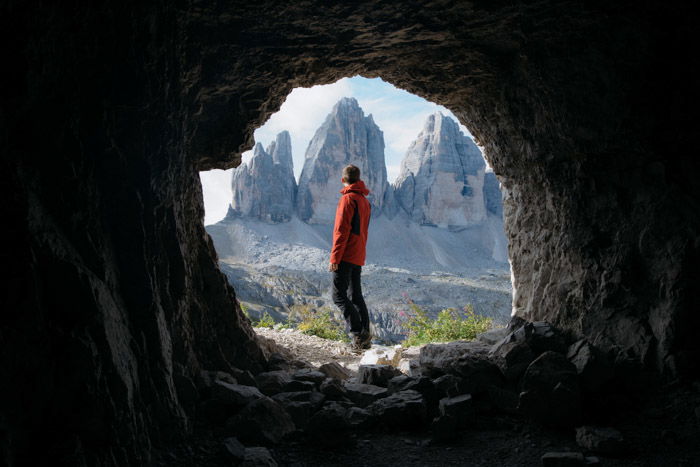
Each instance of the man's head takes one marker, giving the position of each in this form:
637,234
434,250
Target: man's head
351,174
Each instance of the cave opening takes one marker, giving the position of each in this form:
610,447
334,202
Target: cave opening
436,241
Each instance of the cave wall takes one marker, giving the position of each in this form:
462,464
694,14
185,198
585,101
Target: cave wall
114,301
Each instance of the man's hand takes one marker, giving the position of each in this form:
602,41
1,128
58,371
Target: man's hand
332,267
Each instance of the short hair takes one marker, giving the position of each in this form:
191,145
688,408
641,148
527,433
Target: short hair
351,174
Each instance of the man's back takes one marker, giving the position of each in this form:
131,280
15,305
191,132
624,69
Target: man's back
351,225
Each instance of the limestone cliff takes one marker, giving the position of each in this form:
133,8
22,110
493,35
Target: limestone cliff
346,137
442,177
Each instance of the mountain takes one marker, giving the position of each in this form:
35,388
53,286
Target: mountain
346,137
442,177
265,188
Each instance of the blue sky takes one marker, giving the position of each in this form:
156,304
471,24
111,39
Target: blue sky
399,114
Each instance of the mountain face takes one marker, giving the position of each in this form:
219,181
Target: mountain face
492,195
346,137
265,188
442,177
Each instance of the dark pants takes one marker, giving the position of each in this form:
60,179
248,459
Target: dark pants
346,281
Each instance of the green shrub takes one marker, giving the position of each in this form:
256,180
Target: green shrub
450,325
265,321
320,323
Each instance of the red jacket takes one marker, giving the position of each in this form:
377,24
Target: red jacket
351,224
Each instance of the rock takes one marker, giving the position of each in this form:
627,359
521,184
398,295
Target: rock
234,395
333,389
234,450
493,198
313,397
329,426
460,407
593,367
444,429
308,374
442,177
550,392
300,411
606,441
265,188
359,418
492,336
244,377
381,355
263,421
469,360
422,384
512,358
449,385
272,382
401,410
258,457
346,137
364,394
563,459
296,385
378,375
334,370
502,399
409,366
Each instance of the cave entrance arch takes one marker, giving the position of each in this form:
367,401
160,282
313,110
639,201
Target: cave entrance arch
257,239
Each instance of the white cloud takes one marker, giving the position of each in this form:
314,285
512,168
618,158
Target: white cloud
216,189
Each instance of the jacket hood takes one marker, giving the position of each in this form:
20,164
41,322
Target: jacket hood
358,187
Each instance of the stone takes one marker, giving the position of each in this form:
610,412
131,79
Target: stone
512,358
422,384
296,385
492,336
600,440
334,370
309,374
593,367
300,411
359,418
333,389
378,375
441,177
493,198
235,395
563,459
502,399
550,392
382,355
347,136
329,426
263,421
444,429
265,188
234,450
258,457
402,410
364,394
243,377
460,407
313,397
468,360
450,385
272,382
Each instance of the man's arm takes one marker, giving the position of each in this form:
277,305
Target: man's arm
341,231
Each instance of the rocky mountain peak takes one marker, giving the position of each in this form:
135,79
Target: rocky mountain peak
347,136
442,176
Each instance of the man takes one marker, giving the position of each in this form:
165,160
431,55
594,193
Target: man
348,255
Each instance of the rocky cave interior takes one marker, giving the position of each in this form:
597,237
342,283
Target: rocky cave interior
114,302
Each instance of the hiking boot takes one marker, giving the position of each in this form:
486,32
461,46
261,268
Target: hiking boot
366,339
356,343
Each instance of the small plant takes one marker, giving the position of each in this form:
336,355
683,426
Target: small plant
320,323
265,321
450,325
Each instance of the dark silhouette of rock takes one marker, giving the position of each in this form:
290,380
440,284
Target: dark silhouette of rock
258,457
378,375
461,408
593,367
401,410
334,370
364,394
234,450
563,459
263,421
600,440
492,194
272,382
333,389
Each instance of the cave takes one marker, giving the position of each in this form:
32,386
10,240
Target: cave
113,302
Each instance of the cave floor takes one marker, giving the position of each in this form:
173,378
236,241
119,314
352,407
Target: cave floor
665,432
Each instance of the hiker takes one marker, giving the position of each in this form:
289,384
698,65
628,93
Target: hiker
348,256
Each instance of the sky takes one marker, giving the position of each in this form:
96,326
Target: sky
398,113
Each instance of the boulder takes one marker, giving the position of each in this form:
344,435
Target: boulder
243,377
272,382
334,370
333,389
313,397
460,407
449,385
550,392
364,394
401,410
422,384
606,441
468,360
492,336
592,365
300,411
309,374
382,355
225,399
359,418
296,385
512,357
233,450
329,426
263,421
378,375
258,457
